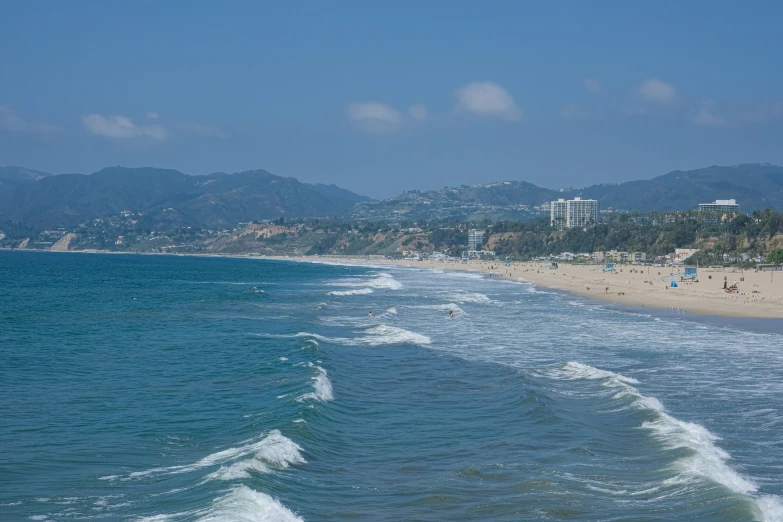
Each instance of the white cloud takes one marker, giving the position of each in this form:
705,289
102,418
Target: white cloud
202,130
592,85
375,117
12,122
418,112
487,99
153,115
658,91
707,117
571,112
121,127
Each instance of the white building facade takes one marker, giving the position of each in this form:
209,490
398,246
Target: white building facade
720,205
475,238
558,214
581,213
574,213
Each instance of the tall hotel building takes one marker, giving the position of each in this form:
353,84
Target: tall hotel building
574,213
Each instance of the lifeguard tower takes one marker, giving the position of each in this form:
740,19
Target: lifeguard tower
690,274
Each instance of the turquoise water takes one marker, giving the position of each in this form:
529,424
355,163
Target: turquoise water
171,388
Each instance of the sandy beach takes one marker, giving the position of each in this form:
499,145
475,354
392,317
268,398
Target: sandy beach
760,294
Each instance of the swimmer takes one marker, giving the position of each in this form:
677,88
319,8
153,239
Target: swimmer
369,315
451,314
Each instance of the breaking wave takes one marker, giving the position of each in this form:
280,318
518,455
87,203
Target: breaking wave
240,504
375,336
469,297
382,281
705,459
359,291
273,450
322,388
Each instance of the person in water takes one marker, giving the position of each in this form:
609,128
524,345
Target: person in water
369,315
451,314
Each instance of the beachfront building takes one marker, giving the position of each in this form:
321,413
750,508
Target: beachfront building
581,213
722,206
617,257
681,254
475,238
573,213
598,257
637,257
558,214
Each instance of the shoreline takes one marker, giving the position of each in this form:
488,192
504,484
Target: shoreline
635,287
632,287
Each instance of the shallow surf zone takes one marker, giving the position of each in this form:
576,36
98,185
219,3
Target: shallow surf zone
383,280
463,297
377,335
692,459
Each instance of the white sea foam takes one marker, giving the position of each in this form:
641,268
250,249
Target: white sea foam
358,291
771,506
575,370
441,307
243,504
239,504
465,275
377,335
469,297
383,280
383,334
273,449
322,388
706,459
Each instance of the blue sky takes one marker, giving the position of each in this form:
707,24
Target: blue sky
380,97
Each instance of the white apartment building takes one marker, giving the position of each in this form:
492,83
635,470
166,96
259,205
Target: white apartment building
573,213
720,205
581,213
558,214
475,238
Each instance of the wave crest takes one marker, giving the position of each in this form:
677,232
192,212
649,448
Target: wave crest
274,449
322,388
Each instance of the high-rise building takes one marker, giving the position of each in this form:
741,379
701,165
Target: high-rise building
574,213
720,205
581,213
475,238
558,216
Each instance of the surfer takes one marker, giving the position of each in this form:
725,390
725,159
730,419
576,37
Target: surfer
451,314
370,314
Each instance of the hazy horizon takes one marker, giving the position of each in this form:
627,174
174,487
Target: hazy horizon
380,99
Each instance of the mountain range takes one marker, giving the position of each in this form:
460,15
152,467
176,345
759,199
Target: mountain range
170,197
165,197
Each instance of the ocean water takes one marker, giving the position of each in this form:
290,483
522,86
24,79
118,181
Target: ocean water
154,388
